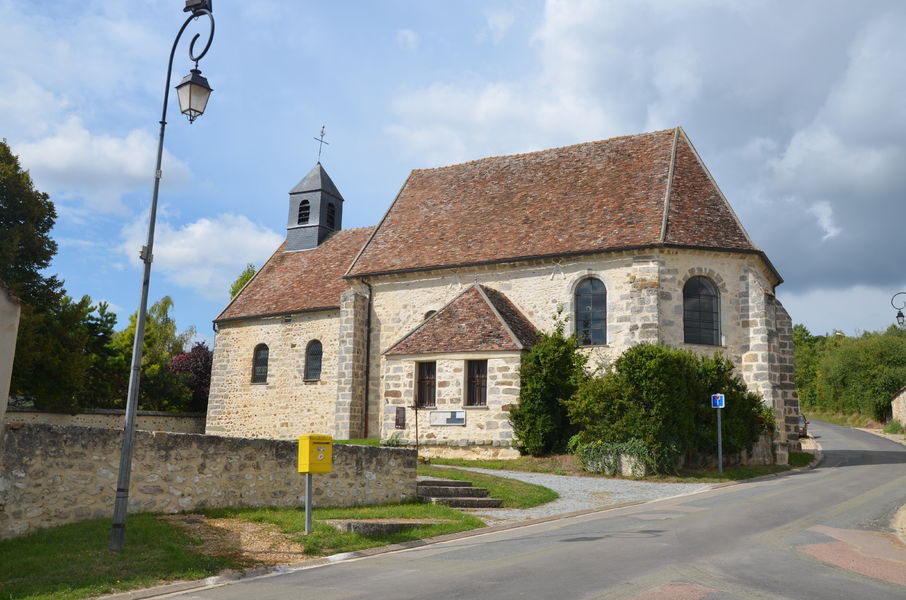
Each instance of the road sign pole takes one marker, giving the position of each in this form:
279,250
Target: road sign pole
308,494
720,445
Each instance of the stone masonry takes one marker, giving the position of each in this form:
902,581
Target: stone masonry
52,475
287,405
644,303
145,420
349,422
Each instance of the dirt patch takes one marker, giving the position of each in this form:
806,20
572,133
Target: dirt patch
251,544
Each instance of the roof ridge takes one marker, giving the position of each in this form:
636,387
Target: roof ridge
719,191
516,154
377,227
503,321
669,189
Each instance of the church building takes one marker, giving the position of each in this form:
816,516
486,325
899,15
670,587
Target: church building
415,328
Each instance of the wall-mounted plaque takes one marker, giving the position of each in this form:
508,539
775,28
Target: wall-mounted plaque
447,417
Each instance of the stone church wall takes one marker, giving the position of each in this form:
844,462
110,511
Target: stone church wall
486,432
52,475
287,405
644,304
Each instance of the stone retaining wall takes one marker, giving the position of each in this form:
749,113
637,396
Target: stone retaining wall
898,406
145,420
50,475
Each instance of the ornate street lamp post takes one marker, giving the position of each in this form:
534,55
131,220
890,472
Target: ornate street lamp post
900,318
193,93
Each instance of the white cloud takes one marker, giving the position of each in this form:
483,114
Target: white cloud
499,23
407,40
825,216
99,168
205,256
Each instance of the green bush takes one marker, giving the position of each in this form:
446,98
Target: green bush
550,374
850,375
661,397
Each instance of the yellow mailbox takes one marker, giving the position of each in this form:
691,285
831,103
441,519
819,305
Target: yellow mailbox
315,453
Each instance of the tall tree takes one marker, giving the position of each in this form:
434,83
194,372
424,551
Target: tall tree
160,389
195,368
243,279
26,218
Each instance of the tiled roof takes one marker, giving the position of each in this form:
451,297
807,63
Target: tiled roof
306,280
586,198
480,319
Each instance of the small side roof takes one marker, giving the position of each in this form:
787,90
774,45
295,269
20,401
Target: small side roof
480,319
291,282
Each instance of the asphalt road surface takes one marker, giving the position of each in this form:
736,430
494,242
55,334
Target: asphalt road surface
821,533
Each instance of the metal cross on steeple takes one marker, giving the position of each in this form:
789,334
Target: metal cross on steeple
321,143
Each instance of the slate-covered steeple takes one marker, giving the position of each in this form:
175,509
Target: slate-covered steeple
315,211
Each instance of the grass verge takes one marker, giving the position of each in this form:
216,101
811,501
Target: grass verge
360,442
566,464
74,561
847,420
801,459
514,493
326,539
894,427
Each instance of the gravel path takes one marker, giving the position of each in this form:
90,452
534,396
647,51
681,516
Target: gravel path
579,493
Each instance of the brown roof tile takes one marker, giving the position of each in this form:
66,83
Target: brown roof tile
299,281
698,214
478,320
590,197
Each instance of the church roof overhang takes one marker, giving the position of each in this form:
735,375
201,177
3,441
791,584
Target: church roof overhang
543,257
274,315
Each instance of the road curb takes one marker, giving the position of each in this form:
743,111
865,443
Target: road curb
898,523
219,580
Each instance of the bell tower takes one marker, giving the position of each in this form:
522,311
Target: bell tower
315,211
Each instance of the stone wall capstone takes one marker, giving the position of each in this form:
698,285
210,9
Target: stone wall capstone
145,420
51,475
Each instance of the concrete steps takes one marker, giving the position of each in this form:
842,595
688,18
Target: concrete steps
457,494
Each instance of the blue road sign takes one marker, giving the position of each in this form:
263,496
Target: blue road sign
718,401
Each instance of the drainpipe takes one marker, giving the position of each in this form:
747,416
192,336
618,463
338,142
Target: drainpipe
367,356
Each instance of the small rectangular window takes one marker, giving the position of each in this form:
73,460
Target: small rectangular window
477,394
426,385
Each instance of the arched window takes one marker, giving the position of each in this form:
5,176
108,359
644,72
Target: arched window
591,312
430,314
313,360
331,216
304,212
259,364
701,312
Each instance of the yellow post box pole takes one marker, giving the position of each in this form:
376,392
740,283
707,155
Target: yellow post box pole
315,456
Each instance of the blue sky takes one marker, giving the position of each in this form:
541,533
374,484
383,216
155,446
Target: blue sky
798,109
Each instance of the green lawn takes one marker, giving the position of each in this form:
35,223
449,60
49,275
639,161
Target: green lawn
74,561
326,539
566,465
514,493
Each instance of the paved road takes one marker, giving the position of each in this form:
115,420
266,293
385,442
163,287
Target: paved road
820,534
